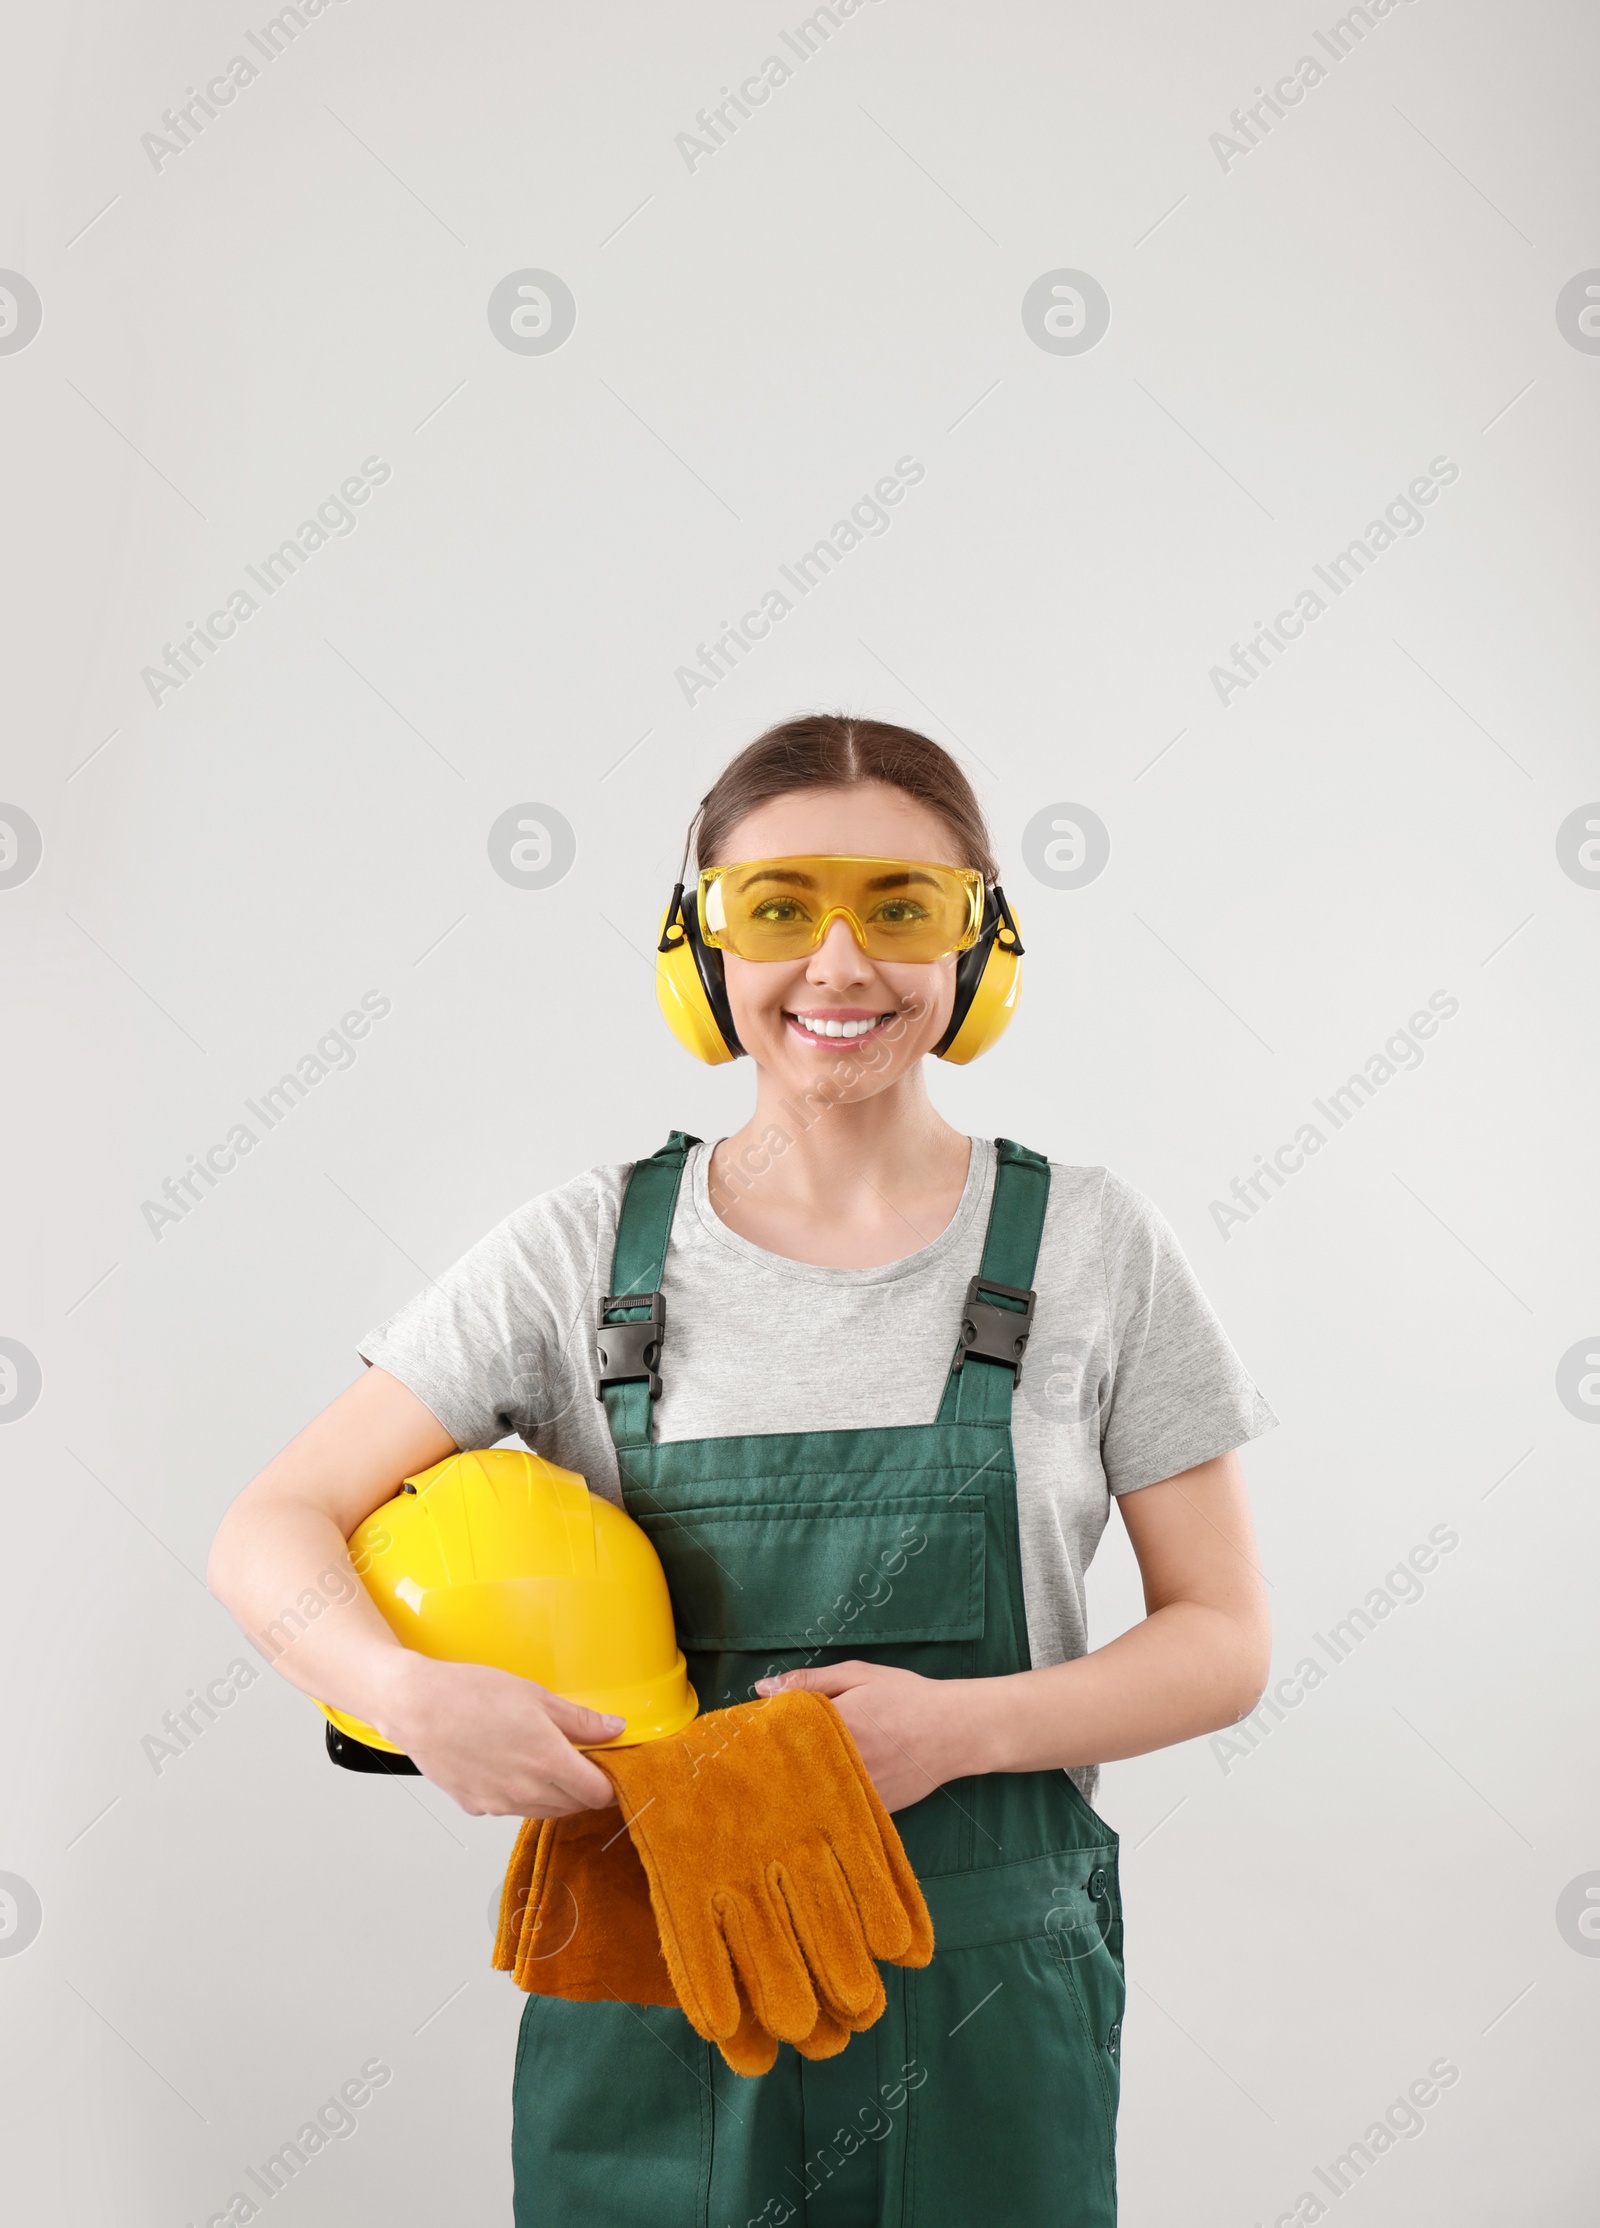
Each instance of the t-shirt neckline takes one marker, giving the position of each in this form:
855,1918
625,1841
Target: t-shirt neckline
974,1196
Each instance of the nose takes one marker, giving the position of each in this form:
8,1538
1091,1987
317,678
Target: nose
838,959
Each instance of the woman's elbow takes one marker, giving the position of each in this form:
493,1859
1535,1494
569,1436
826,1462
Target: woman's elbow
1247,1668
1251,1674
235,1538
221,1561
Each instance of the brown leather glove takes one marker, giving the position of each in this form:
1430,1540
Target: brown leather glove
771,1878
775,1872
576,1921
575,1916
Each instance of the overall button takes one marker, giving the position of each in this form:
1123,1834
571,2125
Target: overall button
1097,1884
1114,2038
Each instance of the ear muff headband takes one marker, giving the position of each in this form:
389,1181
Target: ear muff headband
692,991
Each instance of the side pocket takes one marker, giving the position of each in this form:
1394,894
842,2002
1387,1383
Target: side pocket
577,2158
1014,2122
1088,1948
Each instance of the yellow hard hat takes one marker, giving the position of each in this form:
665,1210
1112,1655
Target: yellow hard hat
500,1557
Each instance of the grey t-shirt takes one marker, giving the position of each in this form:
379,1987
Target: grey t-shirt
1128,1379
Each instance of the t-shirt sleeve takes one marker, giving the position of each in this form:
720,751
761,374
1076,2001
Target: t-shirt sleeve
493,1345
1178,1393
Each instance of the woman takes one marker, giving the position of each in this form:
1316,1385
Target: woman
897,1519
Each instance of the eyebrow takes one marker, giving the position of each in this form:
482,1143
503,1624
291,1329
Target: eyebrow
779,874
899,880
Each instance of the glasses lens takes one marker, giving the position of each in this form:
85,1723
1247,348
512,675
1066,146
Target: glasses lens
898,909
772,908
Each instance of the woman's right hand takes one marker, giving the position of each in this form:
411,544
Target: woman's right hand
502,1746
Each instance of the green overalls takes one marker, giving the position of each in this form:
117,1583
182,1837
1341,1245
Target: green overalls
988,2089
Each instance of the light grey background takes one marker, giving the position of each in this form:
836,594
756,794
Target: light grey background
1292,339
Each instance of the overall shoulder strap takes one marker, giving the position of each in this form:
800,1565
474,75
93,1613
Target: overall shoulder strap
632,1312
998,1314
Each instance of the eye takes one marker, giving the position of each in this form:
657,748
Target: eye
779,910
901,912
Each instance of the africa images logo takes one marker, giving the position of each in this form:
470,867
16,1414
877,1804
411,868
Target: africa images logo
1400,1051
21,312
335,519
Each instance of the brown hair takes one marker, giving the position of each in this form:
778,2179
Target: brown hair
828,750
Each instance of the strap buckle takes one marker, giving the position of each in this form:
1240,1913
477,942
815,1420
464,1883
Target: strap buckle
995,1334
628,1352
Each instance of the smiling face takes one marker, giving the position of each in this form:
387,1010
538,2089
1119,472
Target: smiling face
800,1018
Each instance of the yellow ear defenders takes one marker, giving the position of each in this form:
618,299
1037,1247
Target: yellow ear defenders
691,988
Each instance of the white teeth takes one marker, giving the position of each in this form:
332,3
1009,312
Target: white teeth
821,1028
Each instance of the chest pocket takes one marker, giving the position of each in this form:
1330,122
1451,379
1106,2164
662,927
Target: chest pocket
814,1575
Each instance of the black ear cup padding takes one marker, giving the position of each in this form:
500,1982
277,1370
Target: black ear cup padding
708,966
970,966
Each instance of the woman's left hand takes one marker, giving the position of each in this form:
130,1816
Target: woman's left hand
911,1731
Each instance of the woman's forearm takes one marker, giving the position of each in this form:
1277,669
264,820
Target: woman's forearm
500,1745
283,1570
280,1564
1185,1670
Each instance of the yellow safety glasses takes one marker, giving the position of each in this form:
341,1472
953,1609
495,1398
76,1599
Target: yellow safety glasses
902,909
